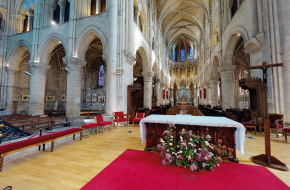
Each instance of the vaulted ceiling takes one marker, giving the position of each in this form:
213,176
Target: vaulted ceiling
182,18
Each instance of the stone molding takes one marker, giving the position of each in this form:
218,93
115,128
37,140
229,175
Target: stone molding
253,46
227,70
38,68
148,75
74,64
11,69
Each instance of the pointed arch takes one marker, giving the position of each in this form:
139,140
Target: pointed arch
16,51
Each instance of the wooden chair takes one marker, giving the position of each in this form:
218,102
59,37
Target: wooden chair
119,117
100,122
276,122
138,118
286,130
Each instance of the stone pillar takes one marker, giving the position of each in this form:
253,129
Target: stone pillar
157,85
172,96
37,87
111,83
179,94
98,7
214,90
74,82
148,76
10,89
29,23
207,98
227,86
195,96
62,11
21,23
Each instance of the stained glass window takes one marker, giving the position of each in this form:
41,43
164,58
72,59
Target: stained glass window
183,91
101,76
190,54
174,56
182,55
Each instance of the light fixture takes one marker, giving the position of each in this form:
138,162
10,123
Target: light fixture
53,23
65,69
134,79
27,73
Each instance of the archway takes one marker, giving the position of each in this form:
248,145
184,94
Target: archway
138,79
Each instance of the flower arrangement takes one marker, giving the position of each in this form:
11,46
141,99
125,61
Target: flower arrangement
195,152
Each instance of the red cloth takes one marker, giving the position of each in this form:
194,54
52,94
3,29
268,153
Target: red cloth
140,115
287,129
29,142
248,124
272,125
143,170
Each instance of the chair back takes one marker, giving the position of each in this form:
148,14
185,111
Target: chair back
99,118
119,114
273,117
140,115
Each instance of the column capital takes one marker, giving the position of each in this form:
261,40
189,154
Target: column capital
148,75
29,14
131,59
38,68
11,69
61,3
213,79
226,70
22,17
74,64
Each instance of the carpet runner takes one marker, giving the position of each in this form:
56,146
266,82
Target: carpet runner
140,170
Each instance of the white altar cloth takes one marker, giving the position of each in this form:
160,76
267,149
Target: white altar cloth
196,120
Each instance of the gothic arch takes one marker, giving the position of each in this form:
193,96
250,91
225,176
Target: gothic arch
47,46
85,38
144,55
15,53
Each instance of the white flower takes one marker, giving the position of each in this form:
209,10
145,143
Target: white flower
218,165
167,151
199,149
170,144
181,138
171,136
195,150
190,139
206,143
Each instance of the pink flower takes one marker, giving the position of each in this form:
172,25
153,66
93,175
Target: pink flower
166,132
208,137
167,156
164,163
179,164
190,132
158,146
193,167
224,147
179,156
204,165
219,159
162,147
220,141
171,125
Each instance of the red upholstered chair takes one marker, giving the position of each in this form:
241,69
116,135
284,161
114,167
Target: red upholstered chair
138,118
286,130
119,117
89,126
276,122
100,122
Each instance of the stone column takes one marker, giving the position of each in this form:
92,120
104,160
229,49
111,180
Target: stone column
37,87
148,76
214,90
62,11
187,93
112,59
162,87
98,7
227,86
179,94
10,89
29,23
21,23
207,95
74,82
157,85
195,96
201,97
172,96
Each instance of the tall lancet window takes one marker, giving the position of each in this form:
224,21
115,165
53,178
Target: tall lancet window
101,76
56,14
183,91
190,54
182,55
174,56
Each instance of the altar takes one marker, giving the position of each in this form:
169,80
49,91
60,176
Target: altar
230,132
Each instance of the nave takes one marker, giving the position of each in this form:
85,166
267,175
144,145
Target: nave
74,163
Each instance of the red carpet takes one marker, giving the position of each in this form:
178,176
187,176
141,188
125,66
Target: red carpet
140,170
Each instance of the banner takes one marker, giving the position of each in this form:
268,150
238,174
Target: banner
163,94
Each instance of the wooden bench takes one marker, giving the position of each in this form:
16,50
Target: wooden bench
37,141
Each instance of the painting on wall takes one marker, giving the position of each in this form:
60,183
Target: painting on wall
50,98
88,97
16,97
63,98
25,98
101,99
94,97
